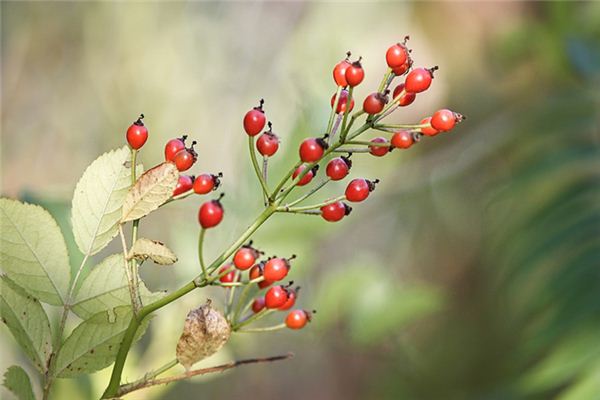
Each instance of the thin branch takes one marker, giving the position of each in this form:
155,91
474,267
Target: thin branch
130,281
128,388
310,193
263,184
201,252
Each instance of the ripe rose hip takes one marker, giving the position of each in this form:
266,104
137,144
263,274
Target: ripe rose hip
355,74
419,79
292,296
379,151
267,144
210,213
256,272
444,120
338,168
404,68
184,159
402,139
137,134
297,319
397,55
342,102
428,130
276,297
358,189
335,211
406,98
245,257
254,120
206,183
173,147
277,268
339,71
374,103
258,304
228,277
312,149
306,178
184,183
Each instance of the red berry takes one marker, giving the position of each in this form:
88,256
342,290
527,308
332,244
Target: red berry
184,183
374,103
428,129
228,277
397,55
256,272
173,147
267,144
402,139
444,120
312,149
404,68
355,74
359,189
292,296
297,319
258,304
210,213
342,102
245,257
137,134
254,120
335,211
338,168
406,98
184,159
206,183
276,269
339,72
419,80
276,297
379,151
307,177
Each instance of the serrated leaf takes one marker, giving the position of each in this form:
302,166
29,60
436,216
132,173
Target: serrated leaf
106,288
27,321
98,200
156,251
33,252
150,191
93,345
17,381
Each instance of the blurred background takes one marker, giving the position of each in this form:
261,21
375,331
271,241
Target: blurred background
473,272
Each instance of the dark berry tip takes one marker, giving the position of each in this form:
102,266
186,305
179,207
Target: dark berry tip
183,138
293,256
347,209
348,55
139,121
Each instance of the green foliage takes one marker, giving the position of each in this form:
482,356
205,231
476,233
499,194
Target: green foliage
17,381
150,191
98,200
106,287
93,345
27,321
33,252
144,248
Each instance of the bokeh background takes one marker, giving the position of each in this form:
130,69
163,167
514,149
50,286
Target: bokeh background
473,272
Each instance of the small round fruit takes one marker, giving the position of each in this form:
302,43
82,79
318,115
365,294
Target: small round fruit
406,98
339,71
335,211
276,269
137,134
419,80
210,213
444,120
428,130
230,276
184,159
355,74
258,304
374,103
276,297
205,183
312,149
379,151
267,144
256,272
358,189
173,147
396,55
291,301
338,168
254,120
184,183
297,319
402,140
342,102
404,68
307,177
245,257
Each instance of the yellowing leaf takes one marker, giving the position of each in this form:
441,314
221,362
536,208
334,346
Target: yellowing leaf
151,190
156,251
98,200
33,252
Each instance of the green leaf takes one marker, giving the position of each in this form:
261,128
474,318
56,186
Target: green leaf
156,251
27,321
98,200
17,381
33,252
150,191
106,288
93,345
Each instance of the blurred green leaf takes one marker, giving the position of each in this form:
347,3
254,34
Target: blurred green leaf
17,381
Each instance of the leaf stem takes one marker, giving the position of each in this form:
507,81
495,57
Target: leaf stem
264,329
310,207
254,317
259,175
200,252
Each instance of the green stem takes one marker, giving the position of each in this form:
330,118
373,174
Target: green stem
347,111
265,329
201,251
334,108
283,181
307,195
255,317
384,81
367,143
311,207
259,175
240,303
